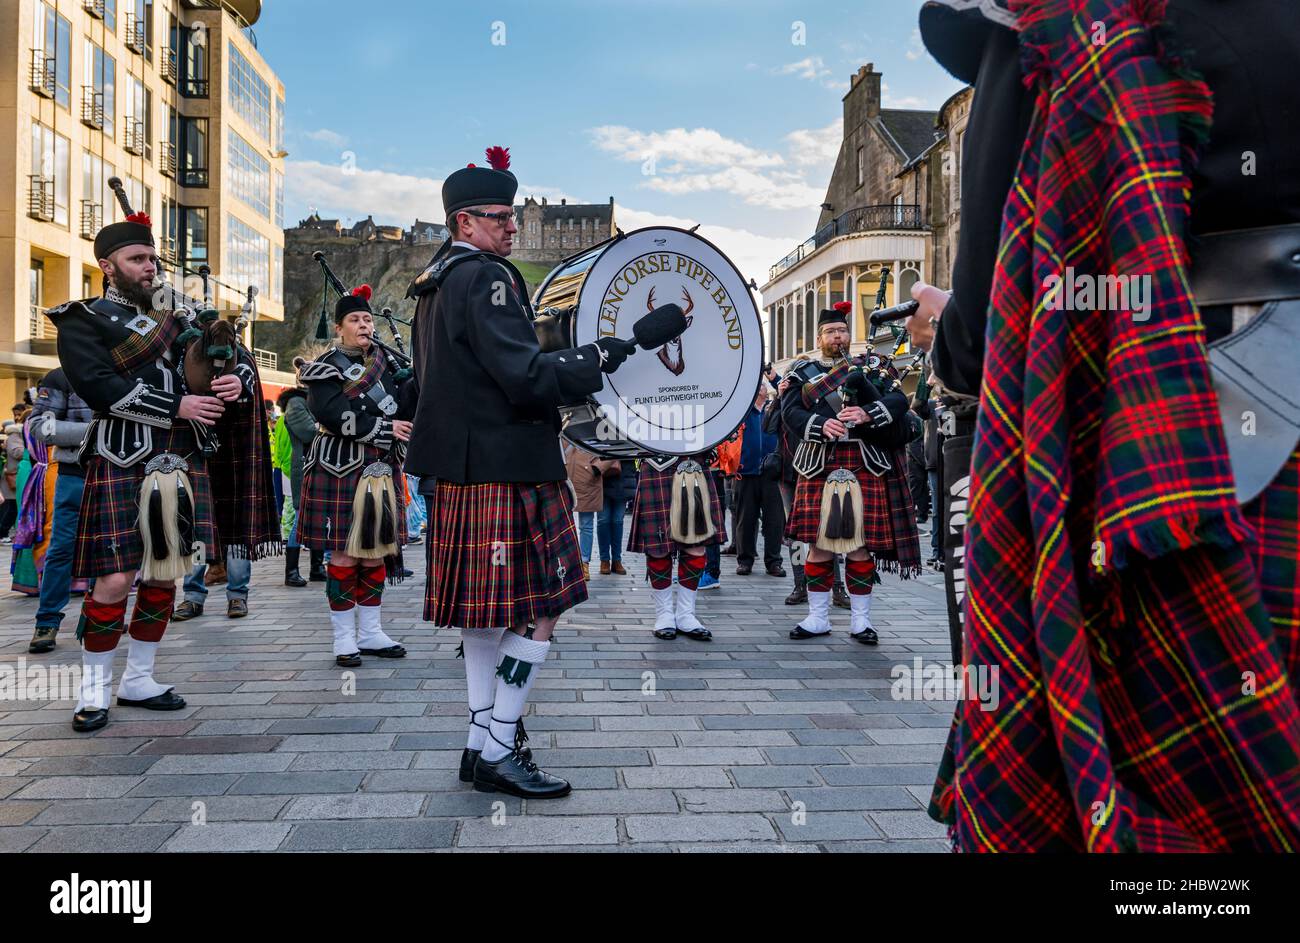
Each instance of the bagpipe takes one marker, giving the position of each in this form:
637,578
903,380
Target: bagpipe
399,355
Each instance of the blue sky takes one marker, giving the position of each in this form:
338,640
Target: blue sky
682,110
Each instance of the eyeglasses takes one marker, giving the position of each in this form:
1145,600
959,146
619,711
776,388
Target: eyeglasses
502,218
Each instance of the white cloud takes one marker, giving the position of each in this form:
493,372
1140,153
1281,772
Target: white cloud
780,191
326,136
816,147
812,68
915,48
393,199
698,147
890,100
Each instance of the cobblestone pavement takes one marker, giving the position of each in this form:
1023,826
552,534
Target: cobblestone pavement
753,742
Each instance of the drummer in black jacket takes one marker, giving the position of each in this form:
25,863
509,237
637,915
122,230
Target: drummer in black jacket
504,561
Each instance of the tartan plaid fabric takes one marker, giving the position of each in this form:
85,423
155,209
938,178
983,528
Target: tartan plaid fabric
341,586
153,610
370,585
108,535
243,501
138,350
501,554
859,575
1140,636
326,513
654,497
829,381
376,363
820,575
101,624
888,520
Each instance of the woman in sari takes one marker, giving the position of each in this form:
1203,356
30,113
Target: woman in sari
36,476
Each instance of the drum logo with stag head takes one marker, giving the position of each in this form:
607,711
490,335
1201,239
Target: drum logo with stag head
692,392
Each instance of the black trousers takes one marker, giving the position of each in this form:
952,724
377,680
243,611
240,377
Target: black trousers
757,496
8,515
918,480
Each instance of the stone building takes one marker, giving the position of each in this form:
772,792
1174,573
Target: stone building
550,231
325,226
891,204
423,233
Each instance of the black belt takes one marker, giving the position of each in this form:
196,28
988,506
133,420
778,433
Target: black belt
1246,266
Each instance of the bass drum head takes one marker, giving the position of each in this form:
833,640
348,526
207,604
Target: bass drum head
694,391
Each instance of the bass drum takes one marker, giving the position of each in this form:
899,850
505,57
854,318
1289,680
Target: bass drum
691,393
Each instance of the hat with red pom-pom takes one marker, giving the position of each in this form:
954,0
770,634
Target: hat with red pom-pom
493,185
837,313
135,230
358,299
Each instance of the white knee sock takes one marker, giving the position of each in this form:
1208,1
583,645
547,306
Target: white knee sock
370,633
480,647
96,680
519,659
818,621
344,624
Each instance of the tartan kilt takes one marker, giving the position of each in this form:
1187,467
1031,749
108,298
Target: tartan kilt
888,518
110,507
501,554
326,514
654,497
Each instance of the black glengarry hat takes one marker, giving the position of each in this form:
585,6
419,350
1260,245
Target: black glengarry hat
358,299
494,185
838,313
135,230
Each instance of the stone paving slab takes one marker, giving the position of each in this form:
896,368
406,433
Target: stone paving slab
751,743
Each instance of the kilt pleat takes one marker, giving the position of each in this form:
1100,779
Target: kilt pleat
650,528
326,514
888,518
108,531
501,554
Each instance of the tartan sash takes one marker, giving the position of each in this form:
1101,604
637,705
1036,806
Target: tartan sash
139,350
376,363
814,390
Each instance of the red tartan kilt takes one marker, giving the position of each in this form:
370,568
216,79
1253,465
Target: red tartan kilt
650,526
804,519
326,514
501,554
108,533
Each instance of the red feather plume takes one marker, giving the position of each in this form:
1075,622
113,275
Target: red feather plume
142,218
843,307
362,291
498,157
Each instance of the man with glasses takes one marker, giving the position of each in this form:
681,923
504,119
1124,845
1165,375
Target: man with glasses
503,554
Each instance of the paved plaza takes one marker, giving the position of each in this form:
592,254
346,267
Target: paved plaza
752,742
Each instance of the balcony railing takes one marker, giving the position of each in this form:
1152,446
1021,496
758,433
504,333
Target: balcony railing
41,77
879,218
40,197
266,359
167,249
94,7
92,218
168,67
134,35
92,107
167,159
133,138
41,329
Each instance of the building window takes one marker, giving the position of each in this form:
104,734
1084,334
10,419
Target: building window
249,93
52,34
139,118
279,199
194,141
861,167
277,275
110,15
194,62
248,256
138,195
50,173
194,235
956,167
898,209
98,202
250,175
35,296
100,79
279,124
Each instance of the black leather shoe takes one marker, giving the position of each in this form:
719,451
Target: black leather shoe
866,637
799,632
744,569
187,610
515,776
294,578
797,595
169,700
86,721
469,757
348,661
775,569
43,639
317,572
393,651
